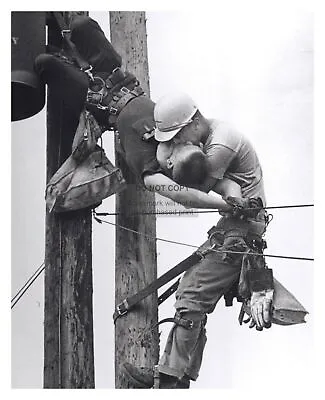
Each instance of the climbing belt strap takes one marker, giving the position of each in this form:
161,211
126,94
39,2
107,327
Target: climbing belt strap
64,29
186,323
129,302
172,289
113,94
119,101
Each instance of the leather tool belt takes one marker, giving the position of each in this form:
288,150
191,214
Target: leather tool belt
113,94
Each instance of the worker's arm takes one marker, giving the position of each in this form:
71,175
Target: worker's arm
188,197
225,187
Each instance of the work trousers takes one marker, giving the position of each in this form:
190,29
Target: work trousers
68,85
199,291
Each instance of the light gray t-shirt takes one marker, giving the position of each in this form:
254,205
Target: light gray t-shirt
232,156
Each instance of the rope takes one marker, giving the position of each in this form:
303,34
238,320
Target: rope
196,247
104,214
27,285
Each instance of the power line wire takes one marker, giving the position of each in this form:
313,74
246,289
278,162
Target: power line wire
41,268
196,247
197,211
27,285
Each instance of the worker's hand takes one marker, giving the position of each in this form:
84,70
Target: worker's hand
245,207
258,311
261,309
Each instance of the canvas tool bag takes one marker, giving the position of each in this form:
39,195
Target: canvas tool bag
87,176
75,186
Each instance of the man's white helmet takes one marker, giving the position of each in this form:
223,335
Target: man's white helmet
171,113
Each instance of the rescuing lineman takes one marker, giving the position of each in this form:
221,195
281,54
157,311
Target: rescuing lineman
230,158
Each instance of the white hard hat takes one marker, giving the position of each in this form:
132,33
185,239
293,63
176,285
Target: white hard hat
171,113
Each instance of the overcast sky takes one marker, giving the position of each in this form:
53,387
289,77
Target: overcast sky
254,69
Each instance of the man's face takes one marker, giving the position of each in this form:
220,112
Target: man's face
189,134
169,153
193,133
166,154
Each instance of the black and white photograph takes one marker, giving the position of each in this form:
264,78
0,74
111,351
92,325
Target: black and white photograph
162,198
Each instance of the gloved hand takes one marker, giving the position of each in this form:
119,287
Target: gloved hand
258,310
259,306
261,309
245,207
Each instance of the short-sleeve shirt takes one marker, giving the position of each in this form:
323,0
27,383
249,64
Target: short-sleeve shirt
140,155
231,155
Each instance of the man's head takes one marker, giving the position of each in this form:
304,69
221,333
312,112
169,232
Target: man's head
177,118
185,163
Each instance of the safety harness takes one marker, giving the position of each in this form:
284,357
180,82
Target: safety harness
254,245
113,94
110,94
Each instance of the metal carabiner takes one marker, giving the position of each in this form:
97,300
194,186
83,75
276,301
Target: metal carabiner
89,73
98,84
65,32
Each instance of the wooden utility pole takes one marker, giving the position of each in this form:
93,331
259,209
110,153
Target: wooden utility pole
68,320
136,263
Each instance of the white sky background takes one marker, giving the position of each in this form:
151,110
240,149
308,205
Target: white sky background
253,68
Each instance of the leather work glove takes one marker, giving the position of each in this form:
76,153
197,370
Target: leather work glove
258,310
245,207
259,307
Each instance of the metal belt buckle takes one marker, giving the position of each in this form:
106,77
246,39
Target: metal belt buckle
102,107
191,324
88,72
65,32
113,110
124,90
122,308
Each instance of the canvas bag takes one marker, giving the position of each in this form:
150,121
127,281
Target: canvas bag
286,309
87,176
75,186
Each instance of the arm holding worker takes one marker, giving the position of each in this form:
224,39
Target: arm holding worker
187,196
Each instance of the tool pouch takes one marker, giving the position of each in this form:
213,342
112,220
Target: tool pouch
260,279
75,186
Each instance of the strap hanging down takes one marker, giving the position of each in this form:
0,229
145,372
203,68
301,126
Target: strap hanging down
65,31
130,302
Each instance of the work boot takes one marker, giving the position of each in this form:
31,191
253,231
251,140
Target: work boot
143,378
